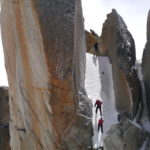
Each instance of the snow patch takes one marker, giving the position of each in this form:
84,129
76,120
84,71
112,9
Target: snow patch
99,85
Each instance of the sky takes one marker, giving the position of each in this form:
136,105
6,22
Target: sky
134,13
3,76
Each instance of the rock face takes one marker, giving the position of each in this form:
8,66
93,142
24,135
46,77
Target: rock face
4,119
91,41
44,49
118,44
124,136
145,65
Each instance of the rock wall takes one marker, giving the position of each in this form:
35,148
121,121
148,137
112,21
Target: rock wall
118,44
44,47
93,44
145,65
91,40
4,119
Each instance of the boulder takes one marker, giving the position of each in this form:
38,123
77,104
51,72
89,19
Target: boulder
125,135
44,47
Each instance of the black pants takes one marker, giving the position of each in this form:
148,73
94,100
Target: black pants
100,126
101,148
99,110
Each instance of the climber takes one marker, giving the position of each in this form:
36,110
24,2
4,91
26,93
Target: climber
98,104
4,126
101,148
100,124
95,49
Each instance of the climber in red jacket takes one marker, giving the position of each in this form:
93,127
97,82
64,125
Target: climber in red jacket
100,124
98,104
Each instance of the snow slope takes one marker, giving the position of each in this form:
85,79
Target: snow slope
99,85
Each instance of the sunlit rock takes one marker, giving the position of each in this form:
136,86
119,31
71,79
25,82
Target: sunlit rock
118,44
44,47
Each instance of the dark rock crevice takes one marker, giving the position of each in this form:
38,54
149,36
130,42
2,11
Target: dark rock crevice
4,119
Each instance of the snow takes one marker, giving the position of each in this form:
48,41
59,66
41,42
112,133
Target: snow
99,85
144,145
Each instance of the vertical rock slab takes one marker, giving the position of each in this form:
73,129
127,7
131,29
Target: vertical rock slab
4,119
44,47
118,44
145,65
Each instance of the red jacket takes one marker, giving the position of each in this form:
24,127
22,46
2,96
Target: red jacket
98,103
100,122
